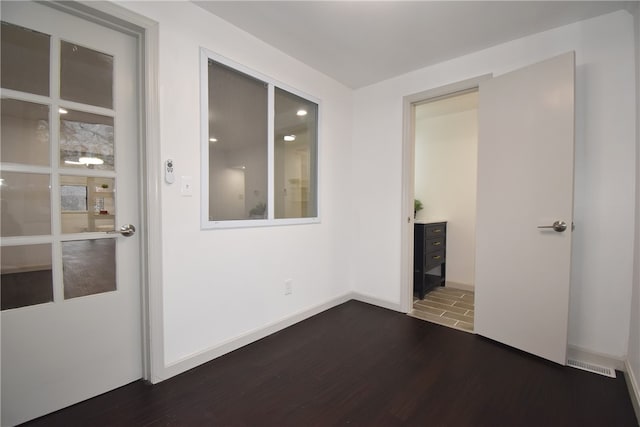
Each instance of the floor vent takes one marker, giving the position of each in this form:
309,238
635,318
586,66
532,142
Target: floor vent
590,367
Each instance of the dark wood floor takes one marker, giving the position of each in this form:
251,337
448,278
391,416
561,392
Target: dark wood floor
360,365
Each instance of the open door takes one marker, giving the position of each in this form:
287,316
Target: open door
525,207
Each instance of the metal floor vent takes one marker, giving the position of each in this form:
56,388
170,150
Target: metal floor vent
590,367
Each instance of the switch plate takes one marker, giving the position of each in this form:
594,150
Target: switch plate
186,186
288,287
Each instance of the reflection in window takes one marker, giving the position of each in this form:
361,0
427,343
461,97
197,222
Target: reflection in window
26,277
86,140
25,59
26,204
296,142
87,203
73,197
238,143
261,146
24,132
86,75
88,267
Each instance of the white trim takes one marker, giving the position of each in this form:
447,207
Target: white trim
147,33
634,388
250,223
153,285
582,354
408,177
377,302
271,153
408,196
204,136
196,359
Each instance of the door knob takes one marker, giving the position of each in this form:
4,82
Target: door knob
558,226
127,230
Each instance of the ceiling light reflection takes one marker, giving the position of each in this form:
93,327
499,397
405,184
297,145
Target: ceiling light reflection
91,161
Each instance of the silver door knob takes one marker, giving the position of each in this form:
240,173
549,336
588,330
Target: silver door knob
126,230
558,226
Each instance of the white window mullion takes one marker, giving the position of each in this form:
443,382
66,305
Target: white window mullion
270,151
25,96
54,141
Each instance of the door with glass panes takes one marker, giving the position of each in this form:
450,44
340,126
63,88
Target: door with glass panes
70,263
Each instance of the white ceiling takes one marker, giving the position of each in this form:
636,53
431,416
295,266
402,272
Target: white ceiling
359,43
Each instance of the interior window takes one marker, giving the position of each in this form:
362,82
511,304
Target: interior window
295,156
260,149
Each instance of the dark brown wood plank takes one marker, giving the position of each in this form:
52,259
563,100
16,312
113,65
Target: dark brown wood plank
361,365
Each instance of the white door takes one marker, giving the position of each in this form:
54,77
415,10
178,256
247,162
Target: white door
71,311
525,181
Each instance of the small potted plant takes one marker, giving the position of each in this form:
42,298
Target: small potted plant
417,206
258,211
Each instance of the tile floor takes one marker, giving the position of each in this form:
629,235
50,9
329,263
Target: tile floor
446,306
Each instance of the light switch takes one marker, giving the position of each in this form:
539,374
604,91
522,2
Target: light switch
186,186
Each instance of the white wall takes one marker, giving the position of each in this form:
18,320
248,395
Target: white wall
605,170
445,181
221,284
633,354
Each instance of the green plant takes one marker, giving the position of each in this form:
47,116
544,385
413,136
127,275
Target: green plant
417,205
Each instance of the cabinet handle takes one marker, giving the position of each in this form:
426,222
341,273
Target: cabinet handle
437,243
436,257
437,230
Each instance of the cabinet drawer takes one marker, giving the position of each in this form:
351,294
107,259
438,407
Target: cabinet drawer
434,244
433,259
435,230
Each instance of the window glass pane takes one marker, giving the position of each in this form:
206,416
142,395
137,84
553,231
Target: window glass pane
295,156
86,75
86,141
25,60
25,132
26,275
89,267
26,204
87,203
237,145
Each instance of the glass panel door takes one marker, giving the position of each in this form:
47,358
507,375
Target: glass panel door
71,325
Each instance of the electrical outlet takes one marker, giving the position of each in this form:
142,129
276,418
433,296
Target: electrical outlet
288,287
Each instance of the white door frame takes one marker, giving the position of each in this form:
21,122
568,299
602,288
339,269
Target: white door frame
409,103
145,31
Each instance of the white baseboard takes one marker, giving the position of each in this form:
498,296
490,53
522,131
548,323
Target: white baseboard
634,388
376,301
461,286
578,353
196,359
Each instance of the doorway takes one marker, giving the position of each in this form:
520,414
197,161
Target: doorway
523,230
71,191
445,165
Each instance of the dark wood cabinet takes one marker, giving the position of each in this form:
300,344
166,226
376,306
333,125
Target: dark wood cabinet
429,252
